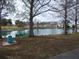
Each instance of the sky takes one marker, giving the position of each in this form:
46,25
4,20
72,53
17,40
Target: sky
45,17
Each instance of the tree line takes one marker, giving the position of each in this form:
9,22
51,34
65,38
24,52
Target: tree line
7,22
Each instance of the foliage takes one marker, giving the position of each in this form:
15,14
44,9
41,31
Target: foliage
20,23
5,22
67,26
8,6
9,21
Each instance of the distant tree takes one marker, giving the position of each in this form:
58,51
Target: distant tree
4,22
68,23
9,21
20,23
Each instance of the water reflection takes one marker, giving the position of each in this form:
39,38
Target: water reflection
48,31
22,33
36,32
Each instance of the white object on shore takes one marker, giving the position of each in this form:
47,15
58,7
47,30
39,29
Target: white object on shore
5,43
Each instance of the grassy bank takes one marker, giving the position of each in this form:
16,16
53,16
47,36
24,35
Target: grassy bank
10,28
40,47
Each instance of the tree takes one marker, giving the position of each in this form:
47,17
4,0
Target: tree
63,4
3,22
4,4
76,18
20,23
65,7
65,23
73,14
9,21
35,8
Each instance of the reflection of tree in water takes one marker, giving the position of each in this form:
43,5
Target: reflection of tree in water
4,33
73,28
37,30
21,33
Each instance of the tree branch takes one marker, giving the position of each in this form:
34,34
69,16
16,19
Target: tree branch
40,12
42,5
26,3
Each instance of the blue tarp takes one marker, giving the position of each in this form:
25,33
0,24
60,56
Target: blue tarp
10,39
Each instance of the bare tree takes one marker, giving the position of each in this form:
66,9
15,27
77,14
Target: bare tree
35,8
66,6
65,23
63,4
4,4
76,20
73,14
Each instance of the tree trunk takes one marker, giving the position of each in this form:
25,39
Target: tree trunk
76,18
0,26
65,23
75,26
31,34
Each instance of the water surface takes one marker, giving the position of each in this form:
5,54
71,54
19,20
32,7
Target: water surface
37,32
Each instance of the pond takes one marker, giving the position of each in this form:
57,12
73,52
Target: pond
37,32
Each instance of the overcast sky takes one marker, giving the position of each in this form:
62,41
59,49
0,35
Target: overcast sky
45,17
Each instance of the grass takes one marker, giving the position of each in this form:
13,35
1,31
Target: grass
10,28
40,47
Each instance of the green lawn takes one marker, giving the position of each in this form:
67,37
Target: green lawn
40,47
